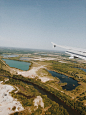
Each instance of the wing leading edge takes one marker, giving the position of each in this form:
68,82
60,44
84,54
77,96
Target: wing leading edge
73,52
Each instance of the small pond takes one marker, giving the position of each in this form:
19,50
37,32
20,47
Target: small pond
18,64
71,83
82,69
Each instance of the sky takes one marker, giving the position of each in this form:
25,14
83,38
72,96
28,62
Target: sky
36,23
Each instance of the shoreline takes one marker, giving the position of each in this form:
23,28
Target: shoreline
32,74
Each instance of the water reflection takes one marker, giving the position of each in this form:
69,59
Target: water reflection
71,83
18,64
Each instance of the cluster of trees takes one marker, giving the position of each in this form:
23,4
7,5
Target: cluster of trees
54,108
82,98
17,80
16,50
69,69
72,103
28,89
3,74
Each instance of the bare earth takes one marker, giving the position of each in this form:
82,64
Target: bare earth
38,101
32,73
7,102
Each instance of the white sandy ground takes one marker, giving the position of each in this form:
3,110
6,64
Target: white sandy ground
38,101
39,58
32,73
43,59
7,102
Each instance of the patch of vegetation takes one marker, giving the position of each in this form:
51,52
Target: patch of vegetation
28,90
14,108
69,69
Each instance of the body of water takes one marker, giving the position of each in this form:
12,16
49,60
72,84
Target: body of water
71,83
18,64
82,69
5,55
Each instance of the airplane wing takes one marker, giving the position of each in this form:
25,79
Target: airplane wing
73,52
